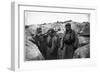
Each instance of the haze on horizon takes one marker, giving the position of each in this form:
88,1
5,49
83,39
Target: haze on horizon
43,17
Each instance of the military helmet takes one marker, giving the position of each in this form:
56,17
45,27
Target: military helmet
68,24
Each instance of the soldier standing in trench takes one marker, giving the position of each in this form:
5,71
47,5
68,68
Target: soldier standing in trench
39,39
69,42
52,46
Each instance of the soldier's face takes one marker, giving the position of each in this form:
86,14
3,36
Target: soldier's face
68,28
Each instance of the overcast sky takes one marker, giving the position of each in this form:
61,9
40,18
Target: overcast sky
43,17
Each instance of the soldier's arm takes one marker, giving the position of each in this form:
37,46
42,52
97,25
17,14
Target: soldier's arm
62,44
76,43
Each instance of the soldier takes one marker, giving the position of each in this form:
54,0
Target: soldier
52,46
69,42
37,37
41,41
